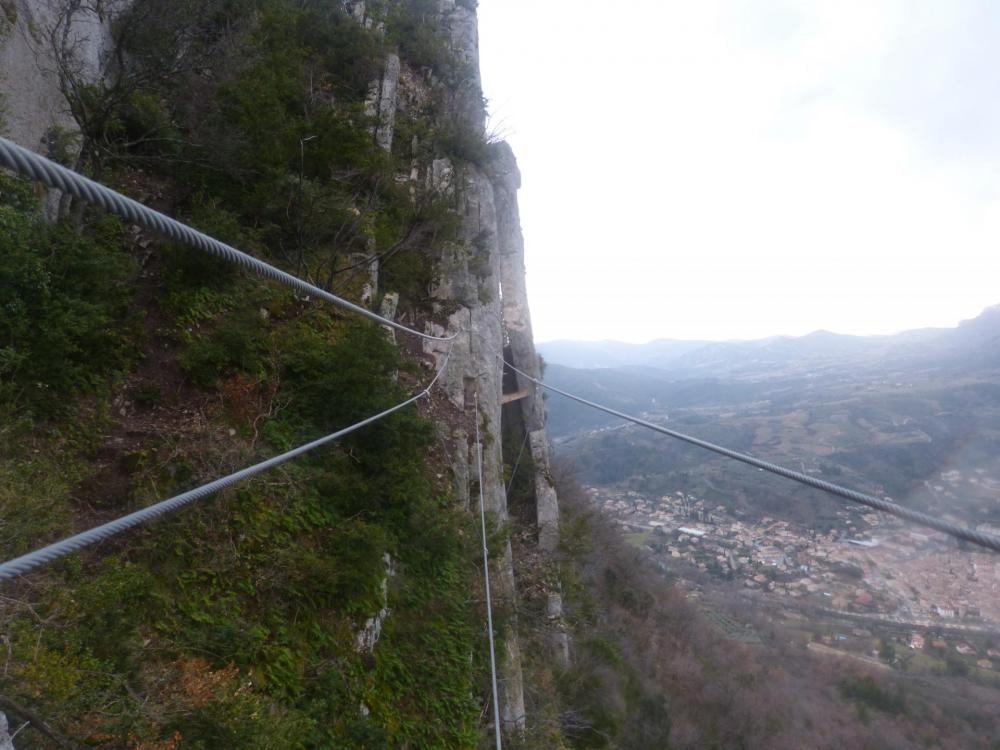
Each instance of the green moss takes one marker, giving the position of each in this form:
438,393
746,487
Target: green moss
271,581
423,677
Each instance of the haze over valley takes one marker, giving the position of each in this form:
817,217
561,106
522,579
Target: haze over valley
913,417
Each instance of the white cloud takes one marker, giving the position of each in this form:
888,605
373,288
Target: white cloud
702,170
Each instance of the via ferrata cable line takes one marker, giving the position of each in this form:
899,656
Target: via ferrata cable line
46,554
37,167
486,579
959,532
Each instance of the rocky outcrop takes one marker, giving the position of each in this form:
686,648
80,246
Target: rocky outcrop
521,352
467,107
480,285
382,103
6,741
475,374
43,45
366,638
38,40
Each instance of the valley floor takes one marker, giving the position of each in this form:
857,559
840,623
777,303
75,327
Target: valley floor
882,582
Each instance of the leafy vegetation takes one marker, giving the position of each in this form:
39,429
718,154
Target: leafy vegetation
135,368
64,296
236,618
650,670
869,693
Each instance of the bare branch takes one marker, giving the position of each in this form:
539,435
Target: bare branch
36,722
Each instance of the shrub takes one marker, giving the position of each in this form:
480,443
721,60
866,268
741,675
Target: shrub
237,345
336,378
64,299
867,692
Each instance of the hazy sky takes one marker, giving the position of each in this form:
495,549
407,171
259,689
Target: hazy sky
742,168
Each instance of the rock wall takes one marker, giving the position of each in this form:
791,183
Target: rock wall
6,742
494,308
480,280
474,376
521,354
468,286
37,37
40,41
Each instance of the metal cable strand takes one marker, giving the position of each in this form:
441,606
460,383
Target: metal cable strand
486,577
517,462
31,560
30,164
960,532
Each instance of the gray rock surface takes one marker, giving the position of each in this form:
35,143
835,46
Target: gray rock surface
467,92
6,742
30,83
387,104
469,292
475,374
521,346
367,637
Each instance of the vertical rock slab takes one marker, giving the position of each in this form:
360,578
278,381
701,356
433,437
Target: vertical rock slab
517,319
29,77
467,107
6,741
469,275
386,111
475,374
37,39
516,313
521,346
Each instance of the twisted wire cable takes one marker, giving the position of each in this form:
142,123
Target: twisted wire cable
517,462
37,167
31,560
486,578
959,532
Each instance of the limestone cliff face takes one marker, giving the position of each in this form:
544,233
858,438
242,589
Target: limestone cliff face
41,42
480,282
37,38
520,352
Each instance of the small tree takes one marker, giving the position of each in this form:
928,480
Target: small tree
887,652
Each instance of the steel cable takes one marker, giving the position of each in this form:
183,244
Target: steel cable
31,560
960,532
486,578
517,462
37,167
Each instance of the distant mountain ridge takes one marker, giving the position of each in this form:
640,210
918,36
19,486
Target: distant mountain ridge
813,351
890,414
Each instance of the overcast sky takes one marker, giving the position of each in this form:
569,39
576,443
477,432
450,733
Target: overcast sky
743,168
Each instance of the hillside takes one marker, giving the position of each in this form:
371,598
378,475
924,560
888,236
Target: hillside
784,570
324,603
883,415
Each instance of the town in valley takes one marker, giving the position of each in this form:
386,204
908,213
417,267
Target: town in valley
875,588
